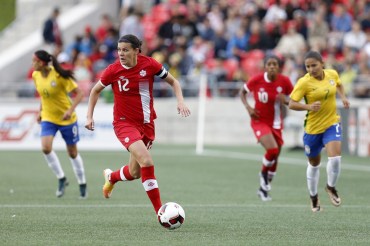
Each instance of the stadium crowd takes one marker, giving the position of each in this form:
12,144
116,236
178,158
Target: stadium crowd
228,39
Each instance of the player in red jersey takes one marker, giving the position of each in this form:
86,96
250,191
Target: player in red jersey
270,90
131,78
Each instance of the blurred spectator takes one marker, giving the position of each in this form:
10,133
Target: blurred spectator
220,45
354,39
300,19
291,43
51,32
341,20
82,68
205,30
174,65
238,44
317,32
365,21
132,24
291,8
233,21
198,51
65,61
88,41
216,18
275,13
105,25
110,42
169,30
366,48
347,77
258,38
361,84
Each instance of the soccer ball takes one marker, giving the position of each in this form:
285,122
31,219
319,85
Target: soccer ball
171,215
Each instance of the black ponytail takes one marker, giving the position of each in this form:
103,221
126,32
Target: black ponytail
46,57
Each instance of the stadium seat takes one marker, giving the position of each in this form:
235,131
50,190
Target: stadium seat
230,65
252,66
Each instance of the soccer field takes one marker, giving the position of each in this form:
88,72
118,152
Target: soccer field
217,191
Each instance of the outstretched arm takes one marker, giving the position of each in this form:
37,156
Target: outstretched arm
342,94
94,96
76,100
181,107
243,97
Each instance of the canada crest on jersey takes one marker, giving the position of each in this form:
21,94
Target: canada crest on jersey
142,73
279,89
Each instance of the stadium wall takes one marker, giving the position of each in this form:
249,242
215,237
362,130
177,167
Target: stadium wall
226,123
15,61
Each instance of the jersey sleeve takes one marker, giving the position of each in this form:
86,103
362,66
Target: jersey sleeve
69,84
298,91
158,68
337,78
288,86
250,84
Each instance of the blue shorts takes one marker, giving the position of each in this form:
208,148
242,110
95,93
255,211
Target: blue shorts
313,143
69,133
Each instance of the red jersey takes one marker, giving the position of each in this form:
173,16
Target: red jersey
267,102
133,89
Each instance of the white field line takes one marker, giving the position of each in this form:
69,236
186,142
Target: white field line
286,160
262,205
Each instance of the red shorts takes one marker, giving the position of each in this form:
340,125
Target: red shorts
128,133
261,129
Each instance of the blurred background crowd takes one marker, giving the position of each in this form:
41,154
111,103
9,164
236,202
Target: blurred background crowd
225,39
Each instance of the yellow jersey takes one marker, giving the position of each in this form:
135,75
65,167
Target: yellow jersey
313,90
55,101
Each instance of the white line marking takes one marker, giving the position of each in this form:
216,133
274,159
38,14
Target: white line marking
271,205
287,160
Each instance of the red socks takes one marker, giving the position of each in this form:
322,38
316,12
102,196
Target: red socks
151,186
147,178
121,174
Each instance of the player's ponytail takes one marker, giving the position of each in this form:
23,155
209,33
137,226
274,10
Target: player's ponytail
45,57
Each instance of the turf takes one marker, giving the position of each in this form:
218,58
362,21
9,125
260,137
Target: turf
217,191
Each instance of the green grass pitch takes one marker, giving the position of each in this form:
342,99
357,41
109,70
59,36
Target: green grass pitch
217,191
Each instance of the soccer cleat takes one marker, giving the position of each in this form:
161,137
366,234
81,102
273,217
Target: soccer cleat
315,203
61,187
108,186
264,183
83,191
264,195
333,195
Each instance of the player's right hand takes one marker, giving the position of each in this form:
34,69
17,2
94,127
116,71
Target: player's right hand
315,106
253,113
89,125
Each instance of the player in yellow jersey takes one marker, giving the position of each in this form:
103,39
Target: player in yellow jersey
319,88
57,113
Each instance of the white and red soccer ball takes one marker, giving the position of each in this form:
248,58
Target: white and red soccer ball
171,215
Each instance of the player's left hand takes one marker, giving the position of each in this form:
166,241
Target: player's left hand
346,103
183,110
67,115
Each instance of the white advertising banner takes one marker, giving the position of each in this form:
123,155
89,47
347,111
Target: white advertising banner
19,128
363,126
